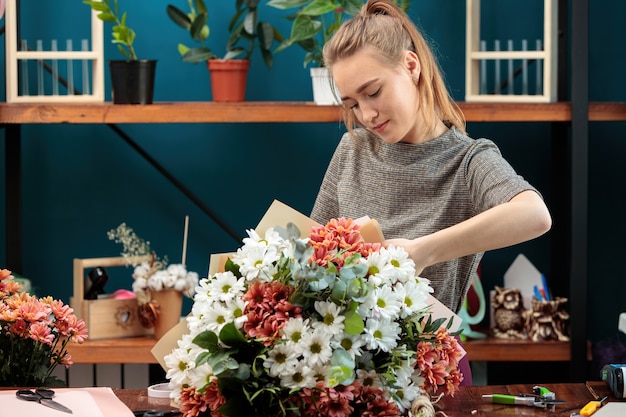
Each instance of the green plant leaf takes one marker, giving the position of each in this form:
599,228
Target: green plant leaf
207,340
200,6
178,17
231,336
353,323
195,55
286,4
320,7
304,27
199,30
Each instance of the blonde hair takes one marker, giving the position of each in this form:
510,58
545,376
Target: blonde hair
387,30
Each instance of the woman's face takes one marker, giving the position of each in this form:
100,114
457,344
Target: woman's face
383,98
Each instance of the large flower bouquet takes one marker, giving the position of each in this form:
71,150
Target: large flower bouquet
34,334
327,325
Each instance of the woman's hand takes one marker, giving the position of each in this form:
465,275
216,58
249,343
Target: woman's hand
523,218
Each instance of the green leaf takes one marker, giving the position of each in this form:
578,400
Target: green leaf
106,17
197,29
195,55
353,323
231,336
320,7
351,7
201,7
286,4
207,340
178,17
304,27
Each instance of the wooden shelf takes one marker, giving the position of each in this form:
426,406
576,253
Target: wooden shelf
124,350
138,350
274,112
518,350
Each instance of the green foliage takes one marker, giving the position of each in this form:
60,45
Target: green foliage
123,36
244,28
316,21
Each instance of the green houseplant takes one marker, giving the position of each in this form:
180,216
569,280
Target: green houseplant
132,79
245,33
314,22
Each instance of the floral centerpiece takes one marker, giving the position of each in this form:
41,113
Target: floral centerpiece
327,325
34,334
151,274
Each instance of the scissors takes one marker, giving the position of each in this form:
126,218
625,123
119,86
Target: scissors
42,396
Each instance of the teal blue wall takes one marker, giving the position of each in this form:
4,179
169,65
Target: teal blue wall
81,180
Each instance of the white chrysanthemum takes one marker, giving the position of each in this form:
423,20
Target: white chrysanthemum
382,302
331,319
226,286
353,344
405,396
404,267
216,317
281,360
178,364
256,263
302,376
237,306
379,268
201,375
413,297
381,334
316,346
202,294
294,329
320,372
369,378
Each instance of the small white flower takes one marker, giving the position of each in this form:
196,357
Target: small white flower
352,344
316,346
369,378
413,297
404,267
381,334
281,360
382,302
302,376
295,328
226,286
331,319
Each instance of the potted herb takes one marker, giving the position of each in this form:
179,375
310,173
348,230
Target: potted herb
314,22
132,79
246,33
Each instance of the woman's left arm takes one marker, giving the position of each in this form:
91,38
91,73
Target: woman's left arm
522,218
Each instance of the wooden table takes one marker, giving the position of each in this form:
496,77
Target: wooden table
467,402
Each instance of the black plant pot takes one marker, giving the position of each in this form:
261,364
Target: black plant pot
132,82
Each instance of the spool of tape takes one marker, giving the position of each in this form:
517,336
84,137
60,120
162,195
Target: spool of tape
159,390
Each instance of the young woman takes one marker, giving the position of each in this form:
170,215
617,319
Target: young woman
407,161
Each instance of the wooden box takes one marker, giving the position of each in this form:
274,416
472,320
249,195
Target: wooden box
105,318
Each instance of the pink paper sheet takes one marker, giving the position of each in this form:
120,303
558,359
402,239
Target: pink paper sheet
84,402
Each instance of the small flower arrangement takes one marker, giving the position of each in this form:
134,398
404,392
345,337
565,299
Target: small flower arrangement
328,325
151,272
34,334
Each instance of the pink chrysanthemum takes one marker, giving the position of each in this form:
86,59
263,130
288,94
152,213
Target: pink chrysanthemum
338,240
268,310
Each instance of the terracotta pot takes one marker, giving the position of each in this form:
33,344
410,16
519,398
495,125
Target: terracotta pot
170,310
228,78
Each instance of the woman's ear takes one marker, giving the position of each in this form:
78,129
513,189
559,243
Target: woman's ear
412,64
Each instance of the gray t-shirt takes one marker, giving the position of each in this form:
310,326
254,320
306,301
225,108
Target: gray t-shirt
416,189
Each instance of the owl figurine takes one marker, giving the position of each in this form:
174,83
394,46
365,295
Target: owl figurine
508,313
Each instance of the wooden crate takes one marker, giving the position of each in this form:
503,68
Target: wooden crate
105,318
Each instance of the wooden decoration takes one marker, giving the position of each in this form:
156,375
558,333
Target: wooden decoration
478,58
105,318
17,58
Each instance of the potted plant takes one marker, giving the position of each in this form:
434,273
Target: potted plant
314,22
132,79
246,33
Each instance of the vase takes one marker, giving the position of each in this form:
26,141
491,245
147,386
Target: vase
324,90
170,308
132,81
228,79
